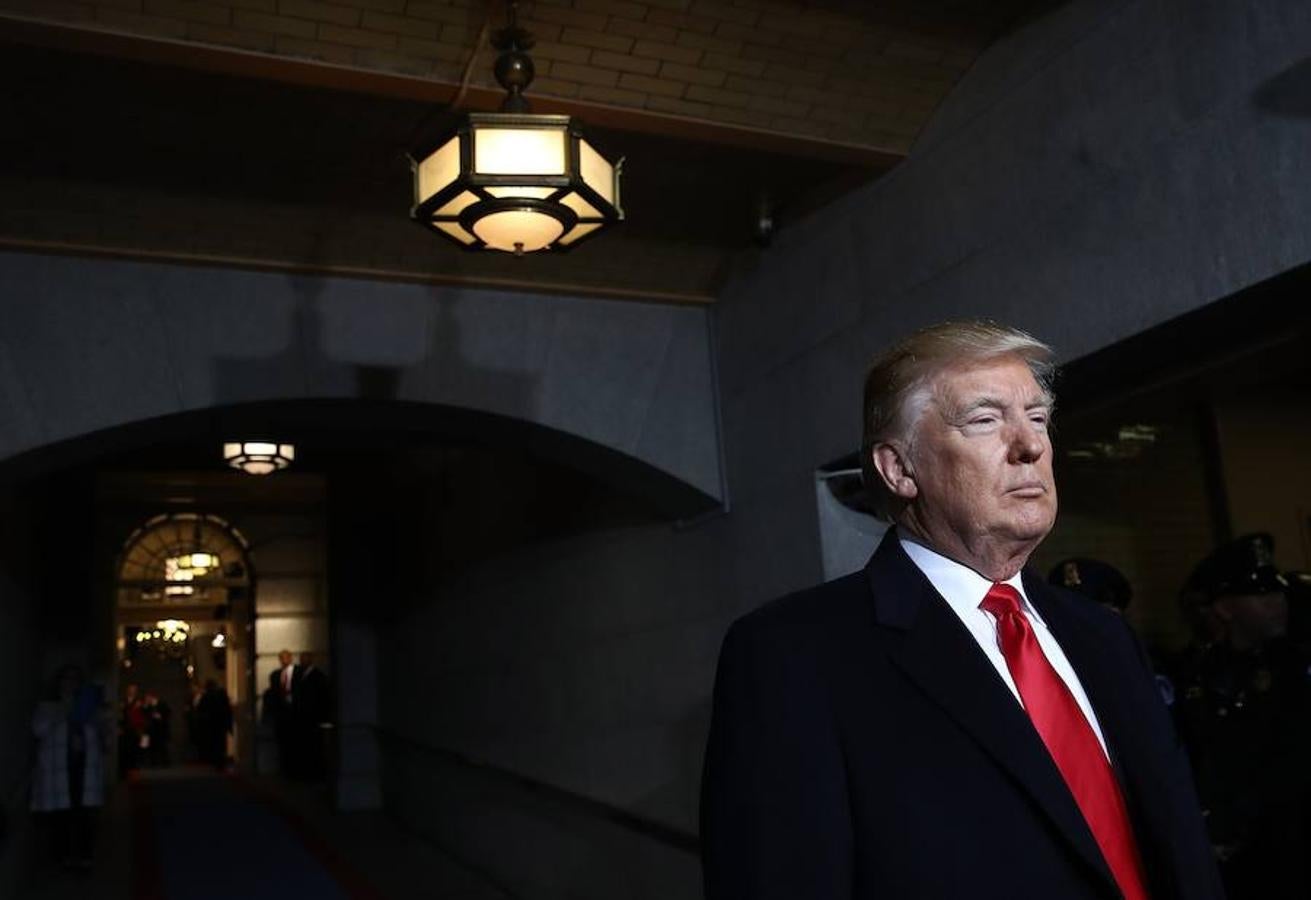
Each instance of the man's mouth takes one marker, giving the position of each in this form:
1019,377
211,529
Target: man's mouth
1028,490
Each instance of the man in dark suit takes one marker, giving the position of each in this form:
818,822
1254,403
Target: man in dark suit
280,700
313,711
944,724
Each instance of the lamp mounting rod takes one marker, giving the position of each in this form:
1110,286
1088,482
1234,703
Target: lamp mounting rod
514,67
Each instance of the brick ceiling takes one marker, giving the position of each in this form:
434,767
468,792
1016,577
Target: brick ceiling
272,132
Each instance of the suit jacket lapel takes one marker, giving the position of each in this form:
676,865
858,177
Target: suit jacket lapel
939,655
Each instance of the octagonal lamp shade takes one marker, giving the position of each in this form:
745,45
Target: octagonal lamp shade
258,457
516,182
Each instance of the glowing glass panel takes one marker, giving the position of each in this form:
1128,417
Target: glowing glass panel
518,151
439,169
579,231
518,230
455,230
598,174
584,209
457,204
536,193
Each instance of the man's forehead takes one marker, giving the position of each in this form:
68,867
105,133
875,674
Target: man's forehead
1007,379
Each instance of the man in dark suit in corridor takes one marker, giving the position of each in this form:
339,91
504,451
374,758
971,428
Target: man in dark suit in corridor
313,710
944,724
280,700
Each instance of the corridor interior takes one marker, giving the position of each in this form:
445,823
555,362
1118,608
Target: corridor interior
173,829
189,833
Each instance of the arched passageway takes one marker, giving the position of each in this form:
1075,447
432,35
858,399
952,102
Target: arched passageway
185,566
91,345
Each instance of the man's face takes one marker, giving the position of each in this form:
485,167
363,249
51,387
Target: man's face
284,658
982,457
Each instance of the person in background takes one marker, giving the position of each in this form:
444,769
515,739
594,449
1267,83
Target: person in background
131,730
283,684
1094,579
159,729
68,781
1299,611
1244,713
1102,583
313,710
197,691
213,725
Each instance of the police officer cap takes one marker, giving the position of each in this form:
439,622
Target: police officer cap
1093,578
1245,565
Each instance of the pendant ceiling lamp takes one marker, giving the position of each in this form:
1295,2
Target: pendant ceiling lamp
258,457
512,180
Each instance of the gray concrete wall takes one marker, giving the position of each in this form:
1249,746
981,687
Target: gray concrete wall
1106,168
89,344
583,664
1109,167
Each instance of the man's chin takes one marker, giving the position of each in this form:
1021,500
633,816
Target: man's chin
1031,530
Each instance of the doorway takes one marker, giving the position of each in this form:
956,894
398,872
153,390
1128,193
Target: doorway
183,625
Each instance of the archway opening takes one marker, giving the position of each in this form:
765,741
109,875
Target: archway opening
183,628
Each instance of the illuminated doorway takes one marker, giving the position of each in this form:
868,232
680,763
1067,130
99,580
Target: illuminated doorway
183,620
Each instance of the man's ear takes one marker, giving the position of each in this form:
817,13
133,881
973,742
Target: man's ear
894,468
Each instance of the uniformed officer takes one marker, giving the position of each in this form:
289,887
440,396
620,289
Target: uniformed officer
1107,585
1095,579
1299,610
1244,711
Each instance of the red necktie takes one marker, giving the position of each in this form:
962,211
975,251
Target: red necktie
1069,738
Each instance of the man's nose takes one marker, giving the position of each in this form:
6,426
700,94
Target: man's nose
1026,443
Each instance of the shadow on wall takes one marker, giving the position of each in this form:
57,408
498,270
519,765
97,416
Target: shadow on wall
470,366
335,348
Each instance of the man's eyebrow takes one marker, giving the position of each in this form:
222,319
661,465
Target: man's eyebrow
1000,404
981,403
964,409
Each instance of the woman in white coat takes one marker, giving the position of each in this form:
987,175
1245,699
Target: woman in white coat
68,779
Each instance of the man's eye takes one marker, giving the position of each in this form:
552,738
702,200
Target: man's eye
1039,419
983,420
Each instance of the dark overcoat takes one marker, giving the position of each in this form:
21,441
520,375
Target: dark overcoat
862,746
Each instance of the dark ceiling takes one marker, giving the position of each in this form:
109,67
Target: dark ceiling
104,128
124,145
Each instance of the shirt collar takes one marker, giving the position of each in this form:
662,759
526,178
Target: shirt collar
962,587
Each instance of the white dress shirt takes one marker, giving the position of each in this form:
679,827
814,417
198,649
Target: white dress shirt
964,589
